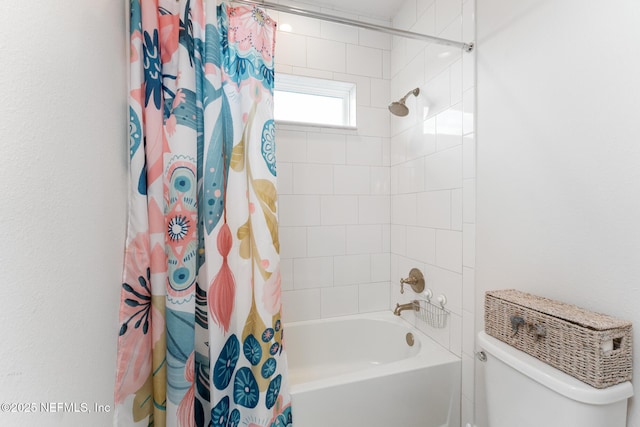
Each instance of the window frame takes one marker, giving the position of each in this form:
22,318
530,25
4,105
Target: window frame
303,85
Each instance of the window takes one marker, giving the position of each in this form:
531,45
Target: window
306,100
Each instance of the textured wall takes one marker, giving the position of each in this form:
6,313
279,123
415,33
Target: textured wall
63,178
558,154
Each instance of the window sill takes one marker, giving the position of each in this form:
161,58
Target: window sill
315,125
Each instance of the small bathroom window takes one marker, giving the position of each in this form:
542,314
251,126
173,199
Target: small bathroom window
317,102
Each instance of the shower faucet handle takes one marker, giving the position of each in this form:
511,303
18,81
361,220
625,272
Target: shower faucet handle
415,279
409,280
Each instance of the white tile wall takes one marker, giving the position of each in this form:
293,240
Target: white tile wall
337,32
364,61
326,55
398,240
334,185
380,92
469,200
422,139
421,244
358,209
293,241
425,24
301,305
449,250
446,12
373,209
364,150
339,301
380,182
299,210
457,209
364,239
291,147
312,272
312,179
433,221
423,5
469,248
286,269
449,124
380,267
403,209
443,170
285,178
326,240
336,210
363,87
411,176
351,269
373,296
375,38
351,180
456,82
300,24
326,148
435,209
373,121
406,16
291,49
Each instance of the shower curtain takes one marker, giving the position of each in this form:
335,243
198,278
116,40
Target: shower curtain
200,339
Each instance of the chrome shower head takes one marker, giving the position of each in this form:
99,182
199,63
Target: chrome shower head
398,108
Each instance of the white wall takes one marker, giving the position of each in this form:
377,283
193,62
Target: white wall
433,171
63,180
558,154
333,184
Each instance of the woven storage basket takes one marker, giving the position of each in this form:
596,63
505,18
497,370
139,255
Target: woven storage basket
592,347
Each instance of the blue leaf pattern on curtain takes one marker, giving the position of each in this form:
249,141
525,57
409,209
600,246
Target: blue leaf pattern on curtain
200,338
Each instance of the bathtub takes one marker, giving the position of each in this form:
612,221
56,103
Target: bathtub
359,371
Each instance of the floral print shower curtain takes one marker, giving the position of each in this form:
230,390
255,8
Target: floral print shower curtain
200,341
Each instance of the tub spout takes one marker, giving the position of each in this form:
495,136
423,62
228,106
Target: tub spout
413,305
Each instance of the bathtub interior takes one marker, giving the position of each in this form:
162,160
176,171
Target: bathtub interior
339,346
359,370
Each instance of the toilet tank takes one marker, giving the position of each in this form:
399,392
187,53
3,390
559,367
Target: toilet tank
525,392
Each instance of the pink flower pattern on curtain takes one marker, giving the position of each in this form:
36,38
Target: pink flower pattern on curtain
200,339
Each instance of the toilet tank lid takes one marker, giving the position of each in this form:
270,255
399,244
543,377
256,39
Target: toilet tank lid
551,377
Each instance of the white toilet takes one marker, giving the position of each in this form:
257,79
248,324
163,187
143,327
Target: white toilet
522,391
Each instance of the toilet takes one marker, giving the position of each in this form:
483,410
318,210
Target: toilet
522,391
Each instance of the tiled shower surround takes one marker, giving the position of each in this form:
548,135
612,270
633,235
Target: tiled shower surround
334,184
360,208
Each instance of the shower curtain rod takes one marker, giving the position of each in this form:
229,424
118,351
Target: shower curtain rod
467,47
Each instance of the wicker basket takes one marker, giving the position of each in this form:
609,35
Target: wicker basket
592,347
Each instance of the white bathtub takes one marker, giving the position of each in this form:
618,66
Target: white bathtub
358,371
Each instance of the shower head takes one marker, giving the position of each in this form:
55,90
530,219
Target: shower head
398,108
